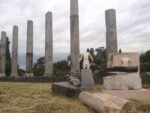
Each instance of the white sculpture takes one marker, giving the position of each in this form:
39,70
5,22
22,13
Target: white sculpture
86,57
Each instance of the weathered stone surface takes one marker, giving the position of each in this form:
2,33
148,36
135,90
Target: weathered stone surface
123,81
29,54
66,89
124,60
48,45
87,80
111,32
74,29
14,63
3,53
104,103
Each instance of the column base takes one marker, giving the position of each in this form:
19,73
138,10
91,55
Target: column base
14,75
47,75
29,75
2,75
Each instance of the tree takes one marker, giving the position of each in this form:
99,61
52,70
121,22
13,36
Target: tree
39,67
8,58
145,61
61,67
99,56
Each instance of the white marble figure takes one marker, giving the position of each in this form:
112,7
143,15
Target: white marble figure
86,57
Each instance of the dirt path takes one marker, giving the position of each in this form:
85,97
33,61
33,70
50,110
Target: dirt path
141,95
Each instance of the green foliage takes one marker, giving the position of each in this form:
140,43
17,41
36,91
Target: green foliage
61,67
145,61
21,72
39,67
8,58
99,58
58,67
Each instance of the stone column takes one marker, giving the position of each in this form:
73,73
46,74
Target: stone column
0,55
3,53
74,29
111,32
14,60
48,45
29,53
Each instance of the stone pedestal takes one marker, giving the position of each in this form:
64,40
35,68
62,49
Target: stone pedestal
48,45
87,80
123,81
14,61
74,29
3,54
29,54
111,32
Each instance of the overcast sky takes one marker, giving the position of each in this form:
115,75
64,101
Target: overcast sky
133,23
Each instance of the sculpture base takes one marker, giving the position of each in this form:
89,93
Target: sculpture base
2,74
47,75
14,75
123,81
87,80
29,74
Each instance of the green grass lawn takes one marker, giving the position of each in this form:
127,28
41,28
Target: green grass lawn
38,98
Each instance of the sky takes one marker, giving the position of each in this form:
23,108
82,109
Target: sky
133,21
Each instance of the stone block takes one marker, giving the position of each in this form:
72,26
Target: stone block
87,80
66,89
104,103
123,81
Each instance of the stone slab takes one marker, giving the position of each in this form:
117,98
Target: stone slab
123,81
66,89
87,80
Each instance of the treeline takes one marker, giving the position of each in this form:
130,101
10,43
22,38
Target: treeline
98,54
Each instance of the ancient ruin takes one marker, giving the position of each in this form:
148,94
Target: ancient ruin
14,63
29,52
48,45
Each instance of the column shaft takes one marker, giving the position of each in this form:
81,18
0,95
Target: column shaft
3,53
74,29
48,45
14,60
29,54
111,32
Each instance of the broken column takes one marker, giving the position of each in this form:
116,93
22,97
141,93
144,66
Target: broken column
14,61
48,45
111,32
3,54
29,53
74,29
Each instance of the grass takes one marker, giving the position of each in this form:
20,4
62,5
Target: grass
38,98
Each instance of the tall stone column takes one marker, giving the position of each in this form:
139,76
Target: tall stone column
0,56
48,45
14,61
74,29
3,53
111,32
29,54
